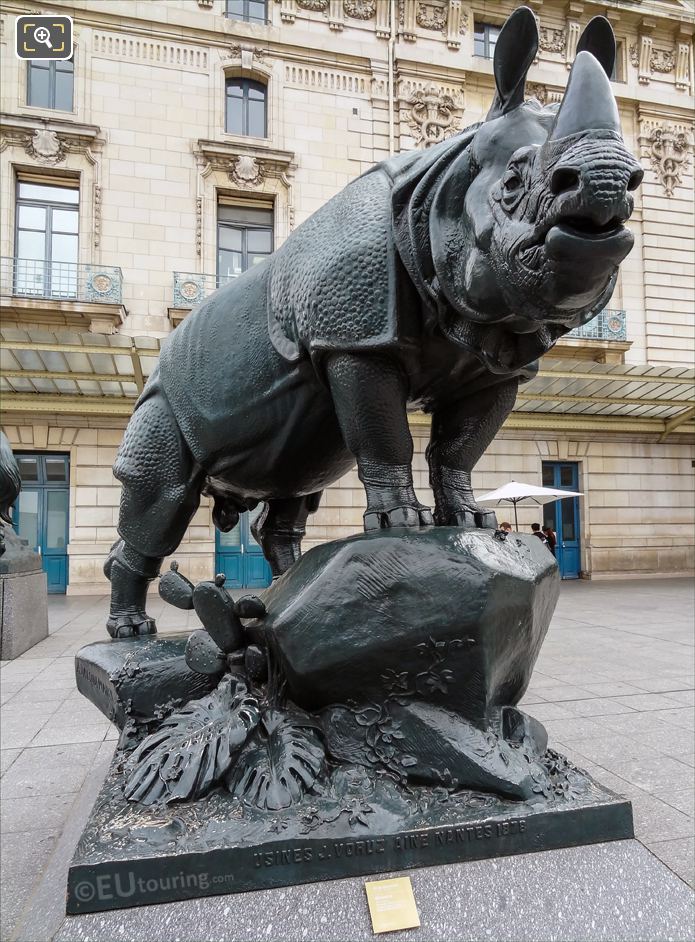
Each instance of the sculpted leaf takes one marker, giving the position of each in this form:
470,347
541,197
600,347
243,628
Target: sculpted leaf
194,747
281,764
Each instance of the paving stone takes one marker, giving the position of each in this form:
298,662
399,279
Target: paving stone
7,757
683,799
679,856
22,862
595,707
657,821
654,774
663,684
49,770
60,735
45,813
612,688
648,701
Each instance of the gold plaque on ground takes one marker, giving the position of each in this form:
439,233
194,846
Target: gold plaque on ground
392,905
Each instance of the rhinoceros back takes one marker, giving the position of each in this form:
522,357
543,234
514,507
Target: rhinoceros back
334,284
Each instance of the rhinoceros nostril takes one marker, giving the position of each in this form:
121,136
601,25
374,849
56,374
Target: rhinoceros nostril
563,179
635,179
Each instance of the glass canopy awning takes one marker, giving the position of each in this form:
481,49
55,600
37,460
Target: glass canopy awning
71,373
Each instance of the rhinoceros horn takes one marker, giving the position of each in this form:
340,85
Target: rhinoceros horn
515,50
589,103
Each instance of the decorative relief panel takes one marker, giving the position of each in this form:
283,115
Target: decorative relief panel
360,9
660,60
552,40
431,16
433,112
313,6
154,52
668,148
441,16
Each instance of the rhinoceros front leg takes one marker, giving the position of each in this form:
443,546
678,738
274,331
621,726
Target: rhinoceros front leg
370,395
460,434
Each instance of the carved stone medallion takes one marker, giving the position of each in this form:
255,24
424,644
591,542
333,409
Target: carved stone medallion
45,146
246,171
360,9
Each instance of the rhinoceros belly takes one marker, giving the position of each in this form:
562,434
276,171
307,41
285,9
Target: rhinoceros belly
265,426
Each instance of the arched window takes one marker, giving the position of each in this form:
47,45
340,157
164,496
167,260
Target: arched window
245,107
251,11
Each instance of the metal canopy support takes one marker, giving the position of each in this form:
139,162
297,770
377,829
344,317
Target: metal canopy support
677,421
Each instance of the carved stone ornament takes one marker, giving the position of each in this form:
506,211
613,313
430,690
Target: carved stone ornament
431,16
360,9
45,146
668,149
552,40
537,91
246,171
433,115
314,6
246,52
660,60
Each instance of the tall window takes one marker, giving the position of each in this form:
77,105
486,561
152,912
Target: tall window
484,39
251,11
47,220
245,107
50,84
617,73
244,238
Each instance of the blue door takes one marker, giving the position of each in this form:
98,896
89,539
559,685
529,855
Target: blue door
239,556
563,515
41,514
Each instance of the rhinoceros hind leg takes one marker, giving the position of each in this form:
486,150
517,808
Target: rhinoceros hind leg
161,492
280,528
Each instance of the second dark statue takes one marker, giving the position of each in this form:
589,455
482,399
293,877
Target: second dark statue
433,281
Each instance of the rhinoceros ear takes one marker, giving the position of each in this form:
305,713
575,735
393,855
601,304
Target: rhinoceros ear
515,50
598,38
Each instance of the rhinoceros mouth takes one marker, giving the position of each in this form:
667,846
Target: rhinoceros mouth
582,239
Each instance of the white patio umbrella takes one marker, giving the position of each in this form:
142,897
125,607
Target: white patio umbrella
515,492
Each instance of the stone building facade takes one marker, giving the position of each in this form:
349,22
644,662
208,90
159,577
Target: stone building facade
191,136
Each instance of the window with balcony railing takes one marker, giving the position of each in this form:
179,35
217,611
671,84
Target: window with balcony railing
46,240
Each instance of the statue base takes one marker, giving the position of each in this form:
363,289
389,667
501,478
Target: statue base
23,598
130,855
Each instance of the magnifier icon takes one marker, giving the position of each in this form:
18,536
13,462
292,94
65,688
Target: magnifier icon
42,35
